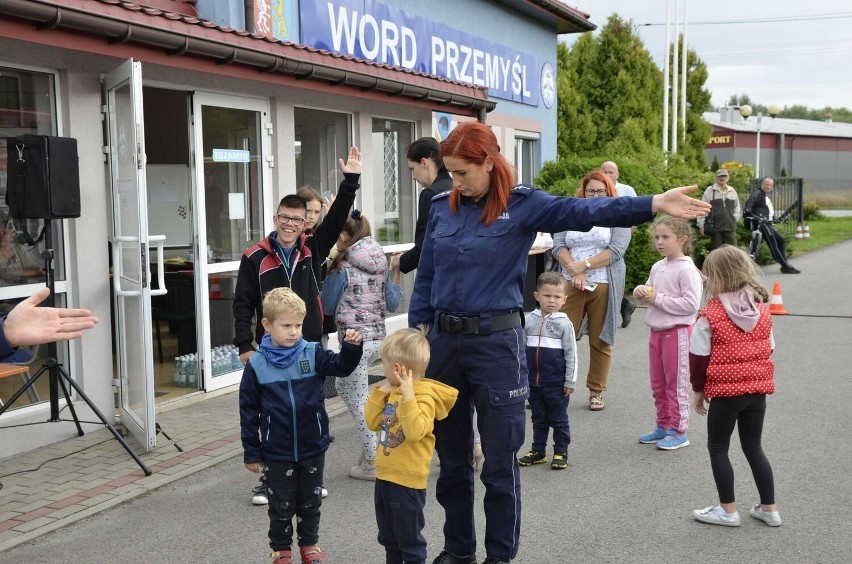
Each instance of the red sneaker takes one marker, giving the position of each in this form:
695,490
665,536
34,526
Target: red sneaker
312,555
282,557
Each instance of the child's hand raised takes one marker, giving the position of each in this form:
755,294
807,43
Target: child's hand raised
352,337
406,381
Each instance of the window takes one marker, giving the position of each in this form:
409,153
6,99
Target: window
321,138
526,159
27,107
394,208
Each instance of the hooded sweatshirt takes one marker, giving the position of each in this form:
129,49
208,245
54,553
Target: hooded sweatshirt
730,347
678,284
405,430
362,306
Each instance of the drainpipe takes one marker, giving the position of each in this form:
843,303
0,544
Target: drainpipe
481,115
249,10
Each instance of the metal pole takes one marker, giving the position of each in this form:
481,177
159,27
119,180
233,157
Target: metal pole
666,79
684,53
757,158
674,82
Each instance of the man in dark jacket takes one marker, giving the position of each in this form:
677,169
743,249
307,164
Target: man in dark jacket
289,257
758,205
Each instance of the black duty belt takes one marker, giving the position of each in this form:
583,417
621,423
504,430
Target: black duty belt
482,324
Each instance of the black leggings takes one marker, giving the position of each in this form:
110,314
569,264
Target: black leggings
746,412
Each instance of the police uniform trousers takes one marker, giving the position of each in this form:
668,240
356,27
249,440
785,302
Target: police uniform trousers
490,373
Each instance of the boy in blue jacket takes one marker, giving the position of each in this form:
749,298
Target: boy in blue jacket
552,364
283,422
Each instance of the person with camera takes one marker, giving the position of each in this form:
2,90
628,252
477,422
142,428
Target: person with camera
759,207
721,223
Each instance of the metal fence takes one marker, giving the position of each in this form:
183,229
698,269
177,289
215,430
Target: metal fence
788,192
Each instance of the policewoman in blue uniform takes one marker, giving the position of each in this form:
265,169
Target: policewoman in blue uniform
469,288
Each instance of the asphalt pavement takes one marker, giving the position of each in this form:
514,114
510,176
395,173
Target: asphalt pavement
620,501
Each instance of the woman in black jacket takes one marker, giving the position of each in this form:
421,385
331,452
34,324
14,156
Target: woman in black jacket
424,161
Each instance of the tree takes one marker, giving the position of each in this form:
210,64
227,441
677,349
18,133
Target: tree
610,98
715,164
611,88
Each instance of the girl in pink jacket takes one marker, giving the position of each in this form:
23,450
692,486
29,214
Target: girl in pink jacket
673,295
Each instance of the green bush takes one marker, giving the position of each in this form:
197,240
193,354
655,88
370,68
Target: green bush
648,174
811,211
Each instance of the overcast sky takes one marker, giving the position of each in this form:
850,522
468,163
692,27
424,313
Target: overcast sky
799,61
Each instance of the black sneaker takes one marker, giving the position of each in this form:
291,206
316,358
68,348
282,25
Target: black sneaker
559,462
260,494
627,314
494,560
790,270
447,557
532,457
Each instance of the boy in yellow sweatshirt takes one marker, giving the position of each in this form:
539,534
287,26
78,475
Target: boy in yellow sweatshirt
403,410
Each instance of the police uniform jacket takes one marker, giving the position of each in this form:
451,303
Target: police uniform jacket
467,267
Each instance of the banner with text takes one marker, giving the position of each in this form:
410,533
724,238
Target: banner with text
377,32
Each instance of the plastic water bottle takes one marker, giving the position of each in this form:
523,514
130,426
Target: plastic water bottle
181,363
236,364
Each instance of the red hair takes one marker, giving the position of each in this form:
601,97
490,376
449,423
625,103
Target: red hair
474,142
597,174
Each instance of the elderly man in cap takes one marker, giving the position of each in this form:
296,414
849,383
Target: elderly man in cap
721,223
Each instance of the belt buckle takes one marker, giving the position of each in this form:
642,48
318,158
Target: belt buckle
454,323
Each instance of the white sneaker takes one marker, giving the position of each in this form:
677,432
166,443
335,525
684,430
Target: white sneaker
324,492
771,518
715,515
366,471
260,498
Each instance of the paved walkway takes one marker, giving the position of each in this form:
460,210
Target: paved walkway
59,484
83,476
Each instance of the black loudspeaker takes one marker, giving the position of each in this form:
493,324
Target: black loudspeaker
43,177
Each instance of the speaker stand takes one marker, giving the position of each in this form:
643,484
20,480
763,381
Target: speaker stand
58,377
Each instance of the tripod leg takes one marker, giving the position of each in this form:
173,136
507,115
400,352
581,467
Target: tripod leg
103,419
23,389
160,431
70,404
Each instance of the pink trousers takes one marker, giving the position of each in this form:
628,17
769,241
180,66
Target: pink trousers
668,351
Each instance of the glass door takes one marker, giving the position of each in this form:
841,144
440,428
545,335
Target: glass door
234,211
130,251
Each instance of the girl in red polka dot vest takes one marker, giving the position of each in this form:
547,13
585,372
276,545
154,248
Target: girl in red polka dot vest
730,367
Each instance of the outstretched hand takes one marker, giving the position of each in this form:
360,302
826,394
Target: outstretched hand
677,203
28,324
353,162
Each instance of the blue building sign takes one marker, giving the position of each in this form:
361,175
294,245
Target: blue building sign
377,32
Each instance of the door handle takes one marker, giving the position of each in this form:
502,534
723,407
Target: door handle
116,257
158,241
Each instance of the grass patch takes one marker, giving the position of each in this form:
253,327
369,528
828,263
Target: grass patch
824,232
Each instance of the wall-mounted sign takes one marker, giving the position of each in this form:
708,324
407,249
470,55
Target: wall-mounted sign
377,32
720,140
231,156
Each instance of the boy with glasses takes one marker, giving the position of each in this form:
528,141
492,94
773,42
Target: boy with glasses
288,257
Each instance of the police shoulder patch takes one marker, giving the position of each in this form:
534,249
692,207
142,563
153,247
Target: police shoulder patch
523,190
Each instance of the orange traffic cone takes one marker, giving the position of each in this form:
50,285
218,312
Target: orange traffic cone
776,304
215,290
799,234
807,233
